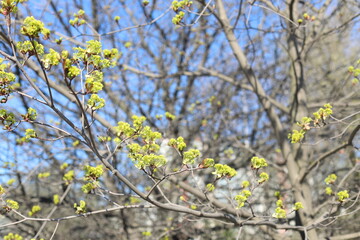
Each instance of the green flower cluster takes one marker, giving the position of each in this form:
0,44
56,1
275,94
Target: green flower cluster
69,177
10,6
81,208
56,199
330,179
64,166
210,187
30,48
144,156
44,175
322,114
178,143
178,17
12,204
2,190
79,19
207,162
6,80
355,71
12,236
51,59
95,102
343,195
176,5
258,163
280,210
306,17
224,171
7,119
170,116
242,198
32,28
263,177
29,133
31,115
319,117
297,206
181,4
190,156
93,173
91,55
279,213
35,209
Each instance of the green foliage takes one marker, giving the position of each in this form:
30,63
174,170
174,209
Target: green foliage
343,195
81,208
12,236
32,28
258,163
35,209
224,171
190,156
330,179
95,102
56,199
